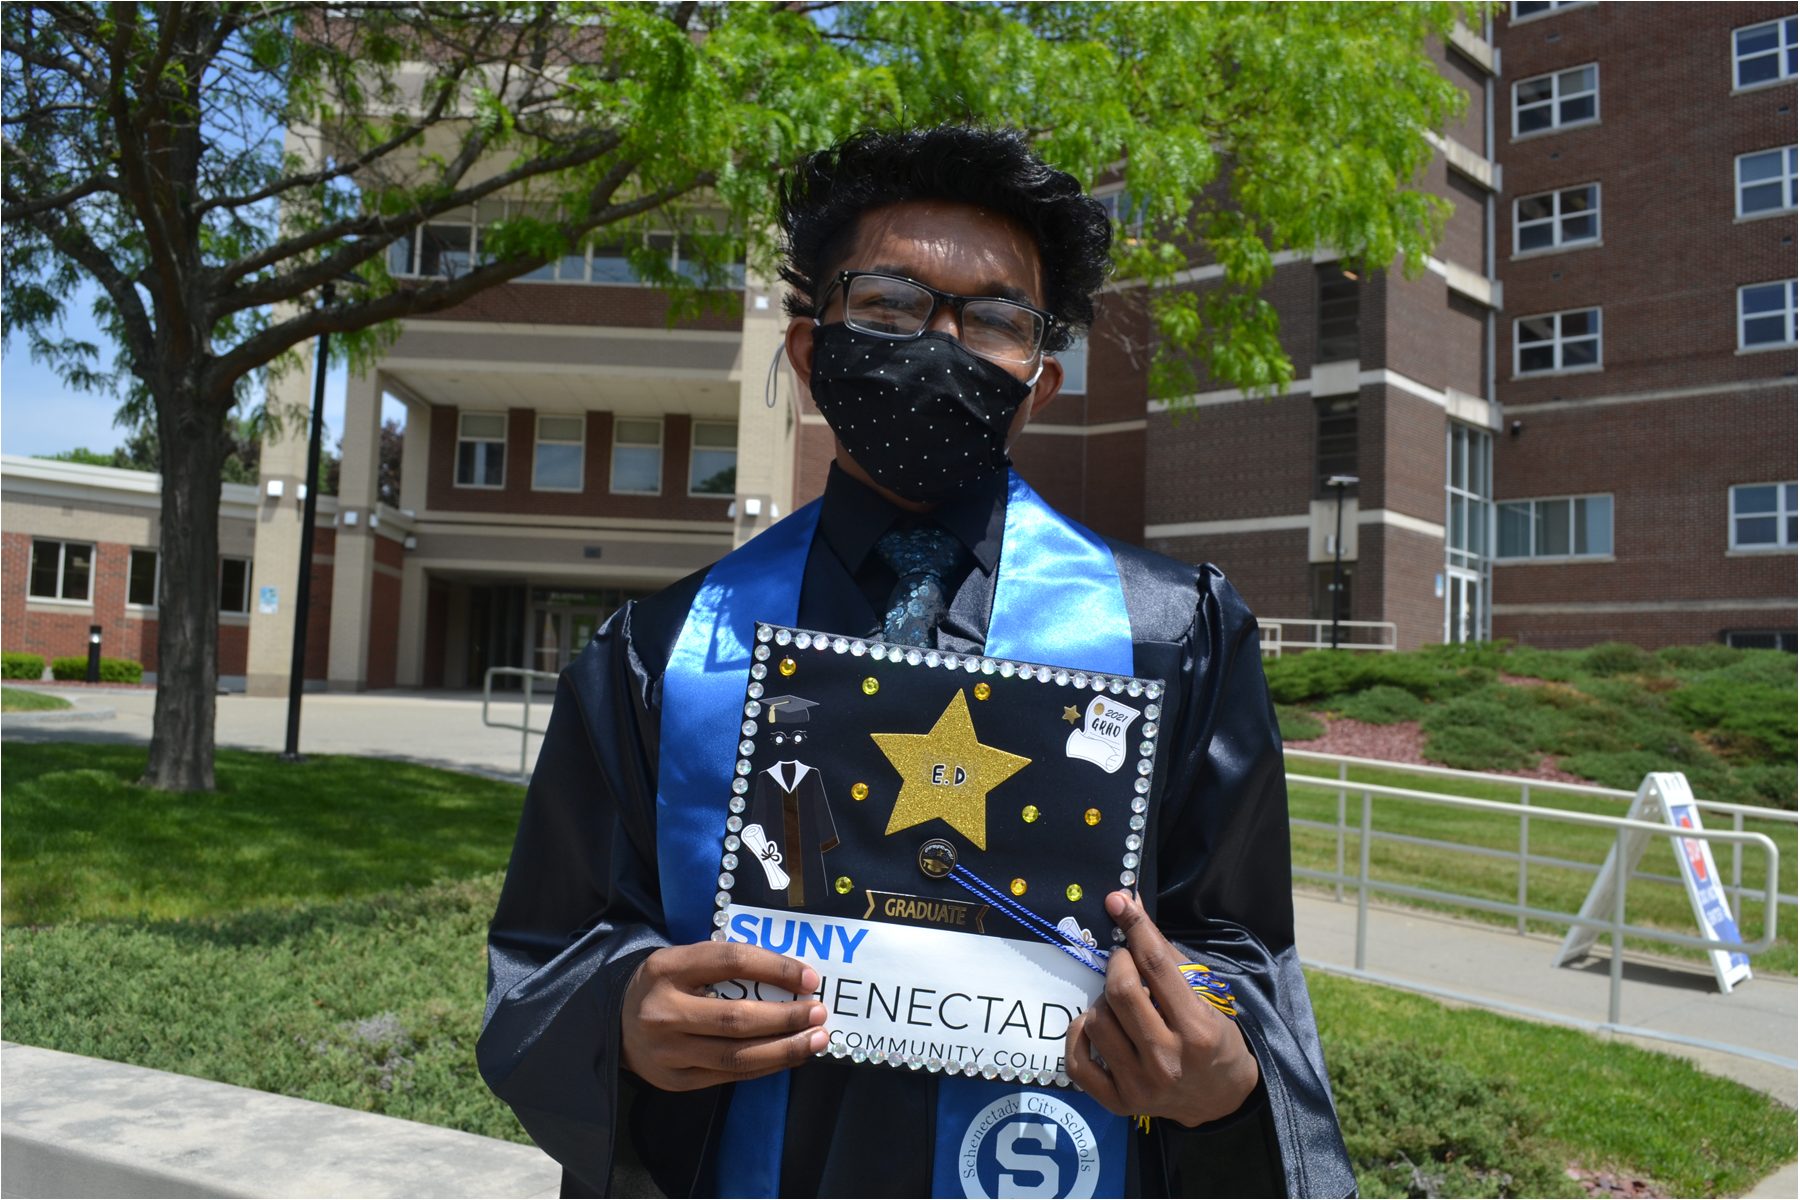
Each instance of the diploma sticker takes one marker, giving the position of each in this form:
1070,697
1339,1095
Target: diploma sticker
1100,738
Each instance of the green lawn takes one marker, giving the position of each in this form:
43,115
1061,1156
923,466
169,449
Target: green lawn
14,699
1662,906
80,841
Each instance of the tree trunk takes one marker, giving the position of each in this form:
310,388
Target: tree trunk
187,634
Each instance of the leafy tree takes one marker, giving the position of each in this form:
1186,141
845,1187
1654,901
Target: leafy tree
213,166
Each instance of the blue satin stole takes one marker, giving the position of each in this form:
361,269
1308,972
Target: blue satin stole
1058,600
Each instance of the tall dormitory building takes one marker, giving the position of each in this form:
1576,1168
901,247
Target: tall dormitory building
1578,425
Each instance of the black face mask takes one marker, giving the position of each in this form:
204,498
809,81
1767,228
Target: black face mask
925,417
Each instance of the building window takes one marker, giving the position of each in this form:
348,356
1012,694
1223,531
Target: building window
1766,315
234,585
1566,218
1340,308
1556,101
140,584
1763,639
1568,341
481,450
1074,362
61,570
712,460
1565,527
557,467
1766,181
1537,8
1766,53
637,457
444,248
1764,516
1468,487
1334,443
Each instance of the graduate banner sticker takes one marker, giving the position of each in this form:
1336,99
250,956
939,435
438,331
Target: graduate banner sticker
933,830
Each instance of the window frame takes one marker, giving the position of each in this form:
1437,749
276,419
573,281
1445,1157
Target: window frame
504,444
1557,343
1326,275
1789,177
1790,313
1787,40
1557,124
612,462
1555,221
695,447
1556,7
1612,531
1784,512
155,578
248,588
62,564
538,441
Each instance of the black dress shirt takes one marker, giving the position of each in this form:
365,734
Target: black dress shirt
582,905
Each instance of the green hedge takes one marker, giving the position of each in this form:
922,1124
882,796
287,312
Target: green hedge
112,670
21,666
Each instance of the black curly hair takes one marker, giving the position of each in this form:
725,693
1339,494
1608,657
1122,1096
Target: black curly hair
994,169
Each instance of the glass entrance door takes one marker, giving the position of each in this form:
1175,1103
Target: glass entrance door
561,634
1463,608
1468,522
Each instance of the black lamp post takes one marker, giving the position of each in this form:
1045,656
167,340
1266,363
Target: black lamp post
309,517
1340,482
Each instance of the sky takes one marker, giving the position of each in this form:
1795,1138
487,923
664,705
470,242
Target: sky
39,416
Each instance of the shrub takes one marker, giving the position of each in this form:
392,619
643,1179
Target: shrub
1617,658
1298,725
21,666
1297,677
1416,1124
1698,658
112,670
1773,784
1763,716
1382,704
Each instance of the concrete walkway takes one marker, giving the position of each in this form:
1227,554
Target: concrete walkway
1493,964
441,729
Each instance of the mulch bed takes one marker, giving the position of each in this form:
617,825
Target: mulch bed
1404,742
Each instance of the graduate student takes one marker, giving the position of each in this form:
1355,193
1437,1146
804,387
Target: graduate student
934,276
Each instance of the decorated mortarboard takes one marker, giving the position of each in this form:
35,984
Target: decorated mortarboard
938,844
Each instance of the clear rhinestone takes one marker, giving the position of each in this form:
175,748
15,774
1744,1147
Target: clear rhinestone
971,664
989,1070
895,1059
1153,691
878,652
1127,877
1118,936
1062,1080
758,671
1006,670
1139,804
1146,748
783,637
1116,686
748,728
740,785
972,1071
988,666
1131,861
737,803
762,654
743,766
1140,786
1134,842
1153,711
1137,820
734,823
727,880
1099,684
1043,675
764,633
934,1064
1008,1073
837,1049
1134,688
746,747
914,658
1045,1077
859,648
718,935
932,658
723,899
1080,679
859,1055
803,641
839,645
1062,678
756,691
731,842
1144,766
1150,729
914,1062
753,709
719,919
729,862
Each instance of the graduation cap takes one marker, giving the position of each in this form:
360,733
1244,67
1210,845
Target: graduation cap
788,710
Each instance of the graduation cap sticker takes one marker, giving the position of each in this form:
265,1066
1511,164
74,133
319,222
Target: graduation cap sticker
789,710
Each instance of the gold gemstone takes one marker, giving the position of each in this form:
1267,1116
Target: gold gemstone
859,791
843,885
1018,887
787,666
1030,814
982,691
1092,817
871,685
1073,892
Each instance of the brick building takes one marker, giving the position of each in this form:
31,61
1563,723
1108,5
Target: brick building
1577,425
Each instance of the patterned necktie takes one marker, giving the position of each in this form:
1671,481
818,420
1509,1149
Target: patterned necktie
922,558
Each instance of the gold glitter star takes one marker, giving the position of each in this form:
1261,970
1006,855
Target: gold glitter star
1071,715
947,773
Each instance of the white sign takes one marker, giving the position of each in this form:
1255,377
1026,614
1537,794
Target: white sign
1100,739
916,991
268,600
1665,796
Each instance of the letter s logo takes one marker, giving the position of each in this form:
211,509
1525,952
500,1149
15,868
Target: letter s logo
1042,1165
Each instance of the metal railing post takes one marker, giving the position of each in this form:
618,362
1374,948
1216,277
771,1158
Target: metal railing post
1362,891
1737,874
1524,847
1343,774
525,726
1621,877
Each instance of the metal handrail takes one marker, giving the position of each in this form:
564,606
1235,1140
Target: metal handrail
1617,926
1274,641
524,726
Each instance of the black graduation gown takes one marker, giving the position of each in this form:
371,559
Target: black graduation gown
797,820
582,907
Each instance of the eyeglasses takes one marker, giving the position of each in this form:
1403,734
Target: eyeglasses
890,306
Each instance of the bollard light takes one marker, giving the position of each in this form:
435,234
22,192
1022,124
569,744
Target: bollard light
93,671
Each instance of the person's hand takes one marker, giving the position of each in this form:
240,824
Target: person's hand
677,1038
1179,1057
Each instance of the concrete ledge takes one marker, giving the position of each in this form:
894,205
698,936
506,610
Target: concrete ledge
75,1126
64,716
